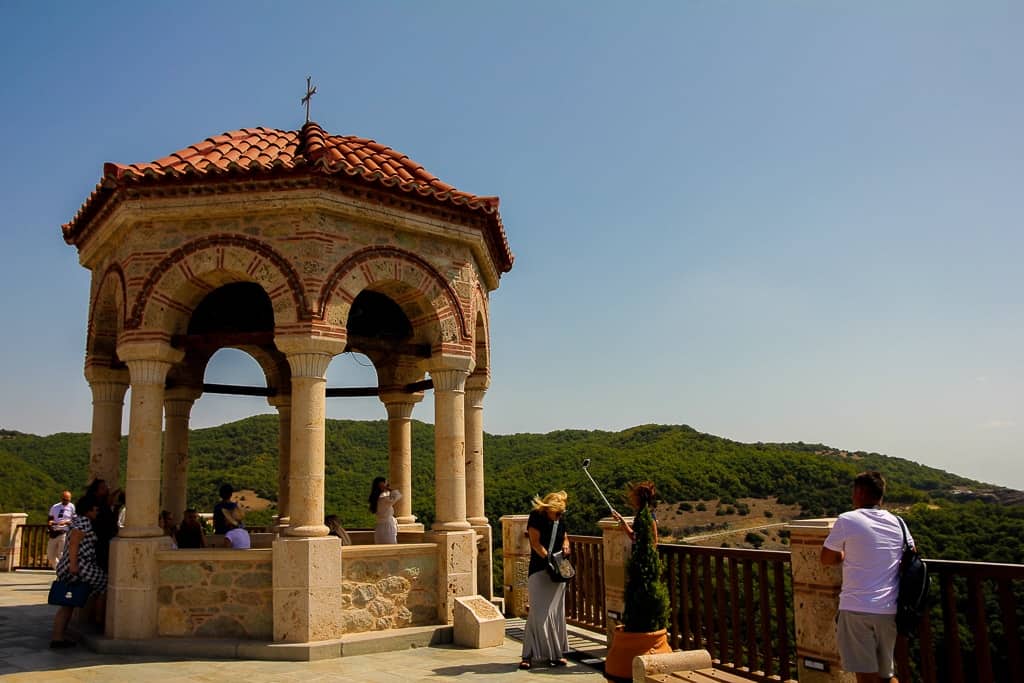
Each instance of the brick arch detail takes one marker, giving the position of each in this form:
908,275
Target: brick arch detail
181,254
111,293
480,311
362,265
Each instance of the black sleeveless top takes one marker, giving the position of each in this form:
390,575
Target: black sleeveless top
539,521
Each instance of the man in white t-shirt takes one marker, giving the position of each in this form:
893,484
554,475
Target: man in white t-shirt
868,543
60,518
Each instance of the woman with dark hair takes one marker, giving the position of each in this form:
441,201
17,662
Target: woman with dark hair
223,508
105,523
78,563
640,496
546,635
382,504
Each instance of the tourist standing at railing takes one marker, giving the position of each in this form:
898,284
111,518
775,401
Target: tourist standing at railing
382,503
640,496
79,563
226,505
60,518
546,635
868,543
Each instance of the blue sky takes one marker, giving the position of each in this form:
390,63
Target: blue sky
772,221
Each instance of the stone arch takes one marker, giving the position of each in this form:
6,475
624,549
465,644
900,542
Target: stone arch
481,331
179,282
106,316
427,299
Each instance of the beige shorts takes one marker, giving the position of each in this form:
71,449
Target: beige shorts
866,642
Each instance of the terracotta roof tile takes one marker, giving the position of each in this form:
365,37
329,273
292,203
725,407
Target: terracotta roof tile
251,151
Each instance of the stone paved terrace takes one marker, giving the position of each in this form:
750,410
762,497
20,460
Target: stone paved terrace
26,620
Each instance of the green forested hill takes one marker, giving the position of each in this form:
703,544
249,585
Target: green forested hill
686,464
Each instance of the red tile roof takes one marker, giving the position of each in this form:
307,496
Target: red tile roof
251,151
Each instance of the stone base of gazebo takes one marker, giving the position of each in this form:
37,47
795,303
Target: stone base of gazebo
238,648
300,599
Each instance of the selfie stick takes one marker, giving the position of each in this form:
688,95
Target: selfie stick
586,464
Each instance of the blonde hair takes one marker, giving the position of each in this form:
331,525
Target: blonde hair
553,501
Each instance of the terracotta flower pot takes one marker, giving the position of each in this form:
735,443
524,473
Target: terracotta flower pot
626,645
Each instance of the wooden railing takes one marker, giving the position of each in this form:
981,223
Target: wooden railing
32,550
584,600
735,603
973,631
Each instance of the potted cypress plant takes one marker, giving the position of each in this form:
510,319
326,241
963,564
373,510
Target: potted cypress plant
645,617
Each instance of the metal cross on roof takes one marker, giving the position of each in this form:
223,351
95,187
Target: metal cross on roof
310,91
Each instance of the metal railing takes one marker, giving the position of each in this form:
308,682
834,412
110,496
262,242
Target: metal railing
32,549
735,603
584,600
973,630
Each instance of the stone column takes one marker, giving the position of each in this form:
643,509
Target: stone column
451,531
308,358
148,364
475,390
177,408
132,602
283,403
476,387
307,562
815,603
108,388
399,406
449,377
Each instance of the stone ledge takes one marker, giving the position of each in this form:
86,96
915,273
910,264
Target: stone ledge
389,551
347,646
216,554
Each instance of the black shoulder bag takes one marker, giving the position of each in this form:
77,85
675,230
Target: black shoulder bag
912,602
559,568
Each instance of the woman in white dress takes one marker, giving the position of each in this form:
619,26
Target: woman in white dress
382,504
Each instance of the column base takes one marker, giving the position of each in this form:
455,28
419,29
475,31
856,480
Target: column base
456,568
307,531
132,592
307,589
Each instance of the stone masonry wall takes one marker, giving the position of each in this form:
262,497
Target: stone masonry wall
390,589
216,594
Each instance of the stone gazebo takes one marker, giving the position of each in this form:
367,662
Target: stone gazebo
292,246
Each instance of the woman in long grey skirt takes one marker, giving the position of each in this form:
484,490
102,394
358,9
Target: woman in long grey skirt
546,635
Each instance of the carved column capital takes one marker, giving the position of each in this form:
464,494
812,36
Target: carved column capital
309,356
108,392
149,362
449,380
475,398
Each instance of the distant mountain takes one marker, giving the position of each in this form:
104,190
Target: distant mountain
687,465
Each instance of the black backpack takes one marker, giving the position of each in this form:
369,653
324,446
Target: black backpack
912,602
